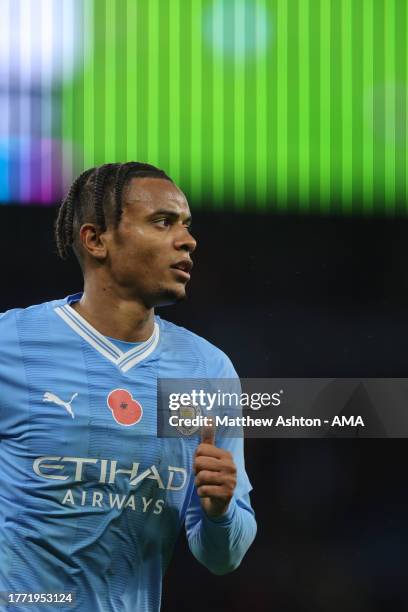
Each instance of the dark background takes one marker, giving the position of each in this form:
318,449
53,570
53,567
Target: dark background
283,297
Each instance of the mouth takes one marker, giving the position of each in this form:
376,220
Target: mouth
183,268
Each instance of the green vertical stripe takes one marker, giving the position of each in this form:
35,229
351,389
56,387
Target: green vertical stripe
99,51
336,110
110,79
368,105
263,27
325,106
153,96
357,107
347,106
207,109
229,113
282,107
196,104
239,104
272,109
163,85
142,84
132,79
389,105
174,86
314,26
379,106
250,107
185,98
405,139
401,126
292,97
120,87
89,89
218,106
304,104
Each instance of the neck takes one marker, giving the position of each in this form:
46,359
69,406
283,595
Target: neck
115,315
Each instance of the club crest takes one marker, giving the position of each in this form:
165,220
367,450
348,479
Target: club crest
188,412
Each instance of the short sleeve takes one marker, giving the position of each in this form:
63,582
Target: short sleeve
13,389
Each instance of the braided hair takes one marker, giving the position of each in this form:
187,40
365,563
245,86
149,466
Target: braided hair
96,196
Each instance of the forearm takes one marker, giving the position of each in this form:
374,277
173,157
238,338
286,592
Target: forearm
221,543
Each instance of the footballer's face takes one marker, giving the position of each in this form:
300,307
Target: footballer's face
149,253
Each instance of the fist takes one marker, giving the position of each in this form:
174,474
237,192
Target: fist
215,474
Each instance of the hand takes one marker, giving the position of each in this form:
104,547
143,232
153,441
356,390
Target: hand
216,474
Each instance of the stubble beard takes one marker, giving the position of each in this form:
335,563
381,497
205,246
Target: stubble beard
168,297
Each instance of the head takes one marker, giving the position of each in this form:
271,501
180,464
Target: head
129,227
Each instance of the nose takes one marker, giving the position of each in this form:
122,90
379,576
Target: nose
185,241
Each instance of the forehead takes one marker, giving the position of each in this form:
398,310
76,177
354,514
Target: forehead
143,196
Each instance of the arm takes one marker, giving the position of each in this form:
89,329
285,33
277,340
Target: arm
220,526
220,543
220,523
13,386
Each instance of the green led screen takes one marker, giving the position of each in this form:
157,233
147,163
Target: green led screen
266,104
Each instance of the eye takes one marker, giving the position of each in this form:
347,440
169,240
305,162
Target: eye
165,222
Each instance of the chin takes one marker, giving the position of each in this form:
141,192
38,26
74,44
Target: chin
169,296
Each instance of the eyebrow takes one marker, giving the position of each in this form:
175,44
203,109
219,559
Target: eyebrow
169,213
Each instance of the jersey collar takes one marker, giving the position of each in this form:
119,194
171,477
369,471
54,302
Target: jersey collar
123,360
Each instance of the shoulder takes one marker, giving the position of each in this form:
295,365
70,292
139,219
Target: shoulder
8,326
218,363
9,316
10,320
10,353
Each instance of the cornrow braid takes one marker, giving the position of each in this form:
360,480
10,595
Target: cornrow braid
120,181
64,223
95,196
101,176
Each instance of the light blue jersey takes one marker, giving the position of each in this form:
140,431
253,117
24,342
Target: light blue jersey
91,500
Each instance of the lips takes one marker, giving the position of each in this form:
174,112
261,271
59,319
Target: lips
183,268
184,265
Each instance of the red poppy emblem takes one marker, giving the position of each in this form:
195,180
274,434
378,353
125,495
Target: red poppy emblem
125,410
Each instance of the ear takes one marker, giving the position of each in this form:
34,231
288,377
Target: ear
93,241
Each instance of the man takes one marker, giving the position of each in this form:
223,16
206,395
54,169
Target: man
91,499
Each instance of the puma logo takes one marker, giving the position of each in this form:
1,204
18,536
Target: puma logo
50,397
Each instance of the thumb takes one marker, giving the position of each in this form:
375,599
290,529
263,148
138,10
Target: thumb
208,432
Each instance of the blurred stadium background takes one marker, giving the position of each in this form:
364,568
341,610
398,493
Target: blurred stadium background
285,122
288,105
